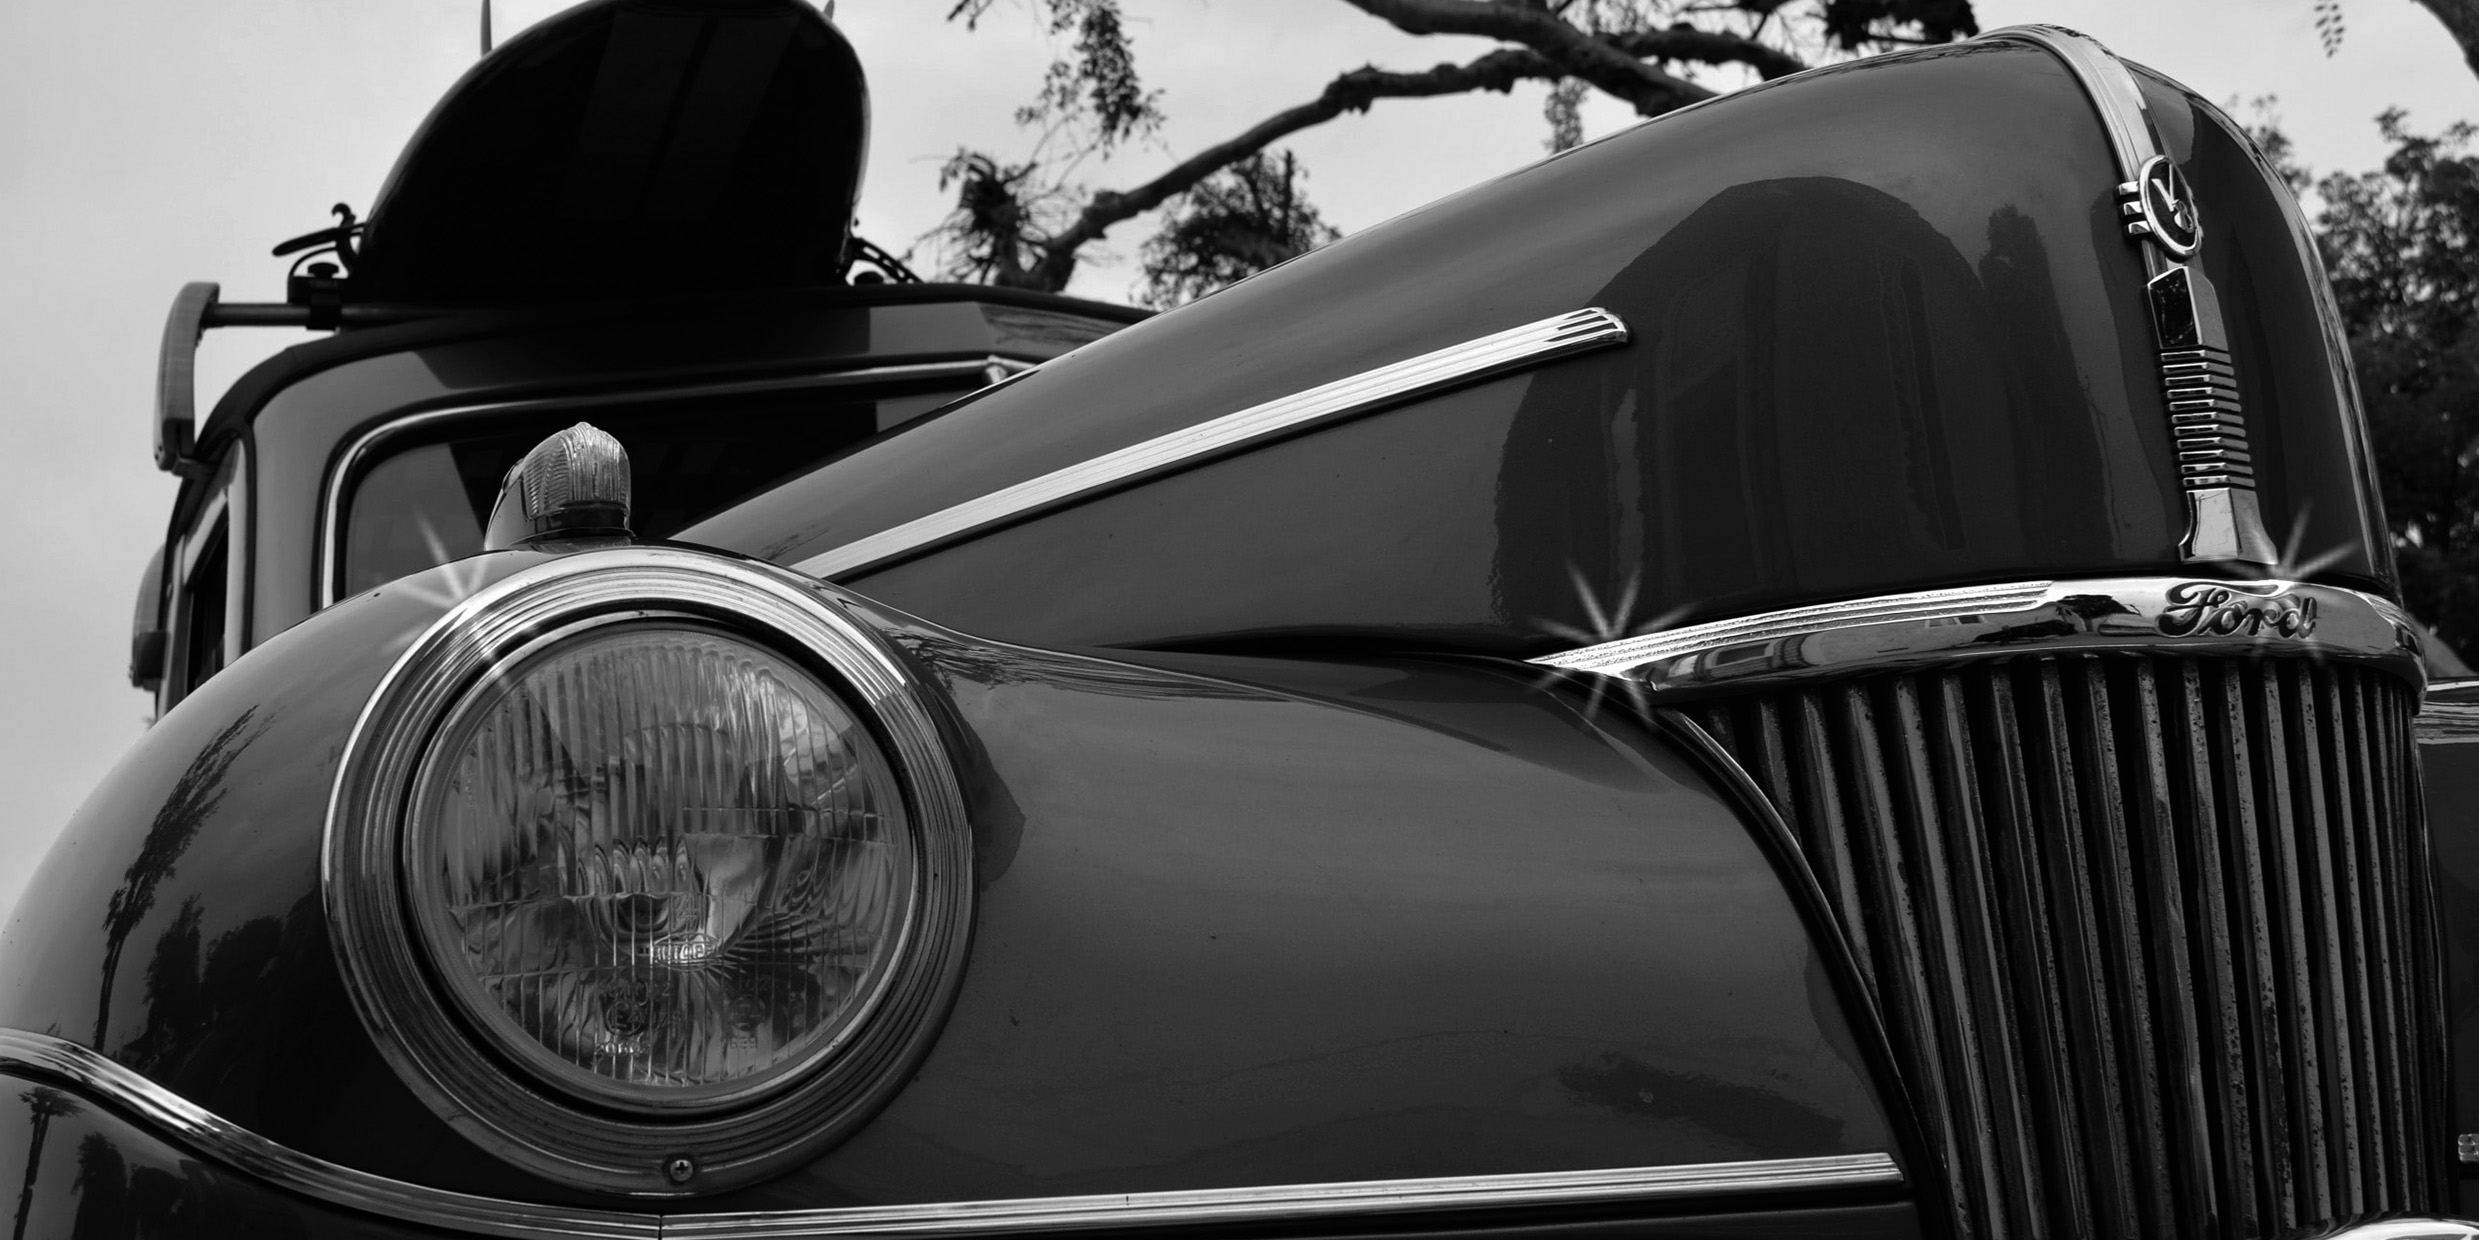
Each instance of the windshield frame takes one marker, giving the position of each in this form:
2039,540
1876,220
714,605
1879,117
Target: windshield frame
349,465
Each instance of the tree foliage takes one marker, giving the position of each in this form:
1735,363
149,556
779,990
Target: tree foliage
1235,223
2402,246
1026,223
2460,18
1094,80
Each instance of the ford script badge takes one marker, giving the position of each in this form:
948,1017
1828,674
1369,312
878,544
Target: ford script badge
2228,608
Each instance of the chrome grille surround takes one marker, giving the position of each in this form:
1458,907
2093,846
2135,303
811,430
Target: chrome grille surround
1937,628
2151,933
2135,873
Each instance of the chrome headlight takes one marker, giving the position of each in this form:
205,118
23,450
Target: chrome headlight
648,869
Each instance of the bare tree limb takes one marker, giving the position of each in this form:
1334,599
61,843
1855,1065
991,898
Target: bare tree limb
1577,53
1352,92
1545,42
1712,47
1356,90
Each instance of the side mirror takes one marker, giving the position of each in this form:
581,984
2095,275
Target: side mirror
146,637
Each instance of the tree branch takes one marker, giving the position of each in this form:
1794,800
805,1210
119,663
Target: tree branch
1712,47
1356,90
1352,92
1578,54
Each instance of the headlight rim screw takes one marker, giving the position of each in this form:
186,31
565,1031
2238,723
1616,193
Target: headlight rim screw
679,1169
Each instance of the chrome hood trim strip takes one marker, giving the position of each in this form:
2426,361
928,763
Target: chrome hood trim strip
40,1056
2198,381
1455,365
1900,631
2124,117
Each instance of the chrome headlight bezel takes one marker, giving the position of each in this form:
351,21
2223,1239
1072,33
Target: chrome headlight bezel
453,1064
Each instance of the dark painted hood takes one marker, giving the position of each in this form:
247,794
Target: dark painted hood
1887,334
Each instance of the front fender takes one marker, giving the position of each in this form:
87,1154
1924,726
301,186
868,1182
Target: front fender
176,923
1242,921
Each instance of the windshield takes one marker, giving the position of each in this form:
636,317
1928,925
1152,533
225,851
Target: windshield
421,498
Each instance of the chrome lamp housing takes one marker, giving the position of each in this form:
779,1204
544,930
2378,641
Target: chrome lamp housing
649,871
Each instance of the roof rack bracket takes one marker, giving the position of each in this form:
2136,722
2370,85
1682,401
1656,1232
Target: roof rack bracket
176,378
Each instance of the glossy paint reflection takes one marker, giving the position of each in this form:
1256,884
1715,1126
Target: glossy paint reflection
1243,922
303,409
194,796
1887,335
2314,468
2449,758
188,886
71,1168
1273,922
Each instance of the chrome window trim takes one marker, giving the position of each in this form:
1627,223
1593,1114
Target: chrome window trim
2158,615
329,570
43,1057
1514,349
226,504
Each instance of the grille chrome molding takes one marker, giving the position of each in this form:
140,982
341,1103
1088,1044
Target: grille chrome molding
2449,716
2150,932
2412,1229
1938,628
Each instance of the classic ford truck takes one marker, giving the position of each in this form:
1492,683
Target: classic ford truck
1825,665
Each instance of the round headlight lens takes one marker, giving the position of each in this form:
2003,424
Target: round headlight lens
663,866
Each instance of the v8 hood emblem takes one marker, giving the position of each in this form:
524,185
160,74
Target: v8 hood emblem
2159,205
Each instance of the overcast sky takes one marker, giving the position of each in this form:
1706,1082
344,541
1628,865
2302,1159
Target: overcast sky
146,144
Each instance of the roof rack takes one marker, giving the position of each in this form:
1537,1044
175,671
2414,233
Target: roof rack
196,308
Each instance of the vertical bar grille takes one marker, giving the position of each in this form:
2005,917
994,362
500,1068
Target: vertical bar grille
2151,935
